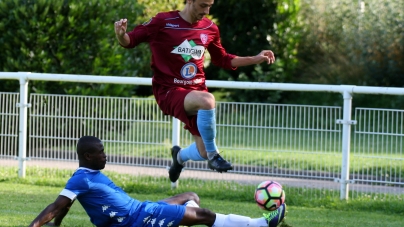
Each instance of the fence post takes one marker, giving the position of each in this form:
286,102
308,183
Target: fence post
346,145
176,131
22,132
176,141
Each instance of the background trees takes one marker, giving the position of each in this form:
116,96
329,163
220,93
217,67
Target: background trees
70,37
315,41
251,26
352,42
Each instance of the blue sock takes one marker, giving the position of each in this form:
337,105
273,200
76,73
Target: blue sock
190,153
206,122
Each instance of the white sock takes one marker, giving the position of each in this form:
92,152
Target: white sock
179,158
232,220
211,154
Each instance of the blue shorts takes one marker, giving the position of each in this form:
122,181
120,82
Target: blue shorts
159,214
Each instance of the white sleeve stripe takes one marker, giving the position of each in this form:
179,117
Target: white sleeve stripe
68,194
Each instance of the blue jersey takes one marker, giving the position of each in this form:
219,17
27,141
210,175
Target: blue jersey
108,205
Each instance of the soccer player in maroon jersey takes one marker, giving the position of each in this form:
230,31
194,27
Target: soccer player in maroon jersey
178,41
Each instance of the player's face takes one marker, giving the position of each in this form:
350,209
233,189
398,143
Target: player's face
200,8
98,157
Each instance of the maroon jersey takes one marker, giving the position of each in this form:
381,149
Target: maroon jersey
178,49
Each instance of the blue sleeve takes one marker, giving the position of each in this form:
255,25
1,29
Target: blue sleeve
77,184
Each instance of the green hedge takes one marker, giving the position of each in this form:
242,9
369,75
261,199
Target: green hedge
250,27
315,41
344,42
76,37
72,37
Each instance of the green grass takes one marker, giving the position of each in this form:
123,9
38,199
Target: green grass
278,146
22,199
285,158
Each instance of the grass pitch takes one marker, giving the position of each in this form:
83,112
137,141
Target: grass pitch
23,199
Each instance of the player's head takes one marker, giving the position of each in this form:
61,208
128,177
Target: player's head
90,151
199,8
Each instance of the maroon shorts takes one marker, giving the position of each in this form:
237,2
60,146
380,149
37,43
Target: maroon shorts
171,102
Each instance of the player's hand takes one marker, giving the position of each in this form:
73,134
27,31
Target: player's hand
266,56
120,27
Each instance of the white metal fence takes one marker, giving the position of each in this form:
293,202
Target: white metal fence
298,145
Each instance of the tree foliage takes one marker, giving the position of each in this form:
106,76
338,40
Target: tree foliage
314,41
352,42
247,28
67,37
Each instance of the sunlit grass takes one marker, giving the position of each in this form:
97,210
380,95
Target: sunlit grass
24,198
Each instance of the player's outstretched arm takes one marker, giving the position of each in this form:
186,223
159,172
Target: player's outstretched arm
57,210
59,217
265,56
120,32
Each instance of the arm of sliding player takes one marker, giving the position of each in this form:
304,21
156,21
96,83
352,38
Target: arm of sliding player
56,210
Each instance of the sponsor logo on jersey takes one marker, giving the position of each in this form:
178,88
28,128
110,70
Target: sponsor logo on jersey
172,25
189,71
188,50
204,38
188,82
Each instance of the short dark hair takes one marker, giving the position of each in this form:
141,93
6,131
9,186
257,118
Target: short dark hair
86,144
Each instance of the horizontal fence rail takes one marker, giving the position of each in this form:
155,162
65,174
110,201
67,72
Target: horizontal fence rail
299,145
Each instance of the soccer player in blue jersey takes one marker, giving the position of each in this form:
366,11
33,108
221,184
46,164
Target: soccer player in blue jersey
109,205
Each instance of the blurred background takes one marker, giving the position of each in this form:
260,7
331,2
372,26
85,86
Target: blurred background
353,42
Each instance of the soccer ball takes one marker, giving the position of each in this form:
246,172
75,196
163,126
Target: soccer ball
269,195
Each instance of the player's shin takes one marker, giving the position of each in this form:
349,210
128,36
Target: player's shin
206,122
